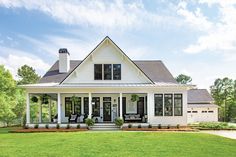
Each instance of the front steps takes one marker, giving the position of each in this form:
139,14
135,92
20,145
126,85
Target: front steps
104,127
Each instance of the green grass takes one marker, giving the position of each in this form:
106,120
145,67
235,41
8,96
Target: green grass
123,144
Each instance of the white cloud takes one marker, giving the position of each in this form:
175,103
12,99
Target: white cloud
194,18
17,58
104,14
219,36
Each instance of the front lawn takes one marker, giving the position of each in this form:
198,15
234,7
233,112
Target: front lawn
116,144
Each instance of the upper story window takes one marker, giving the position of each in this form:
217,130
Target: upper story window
97,71
107,71
116,71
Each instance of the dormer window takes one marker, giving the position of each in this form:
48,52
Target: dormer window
107,71
116,71
97,71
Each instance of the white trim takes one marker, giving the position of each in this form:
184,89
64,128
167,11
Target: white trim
59,108
121,105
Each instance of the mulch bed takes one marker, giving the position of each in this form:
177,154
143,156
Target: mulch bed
47,130
156,129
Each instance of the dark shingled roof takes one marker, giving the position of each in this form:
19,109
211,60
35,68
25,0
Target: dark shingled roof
199,96
155,70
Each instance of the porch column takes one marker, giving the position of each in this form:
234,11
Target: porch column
150,106
49,111
58,108
90,105
40,112
27,108
121,105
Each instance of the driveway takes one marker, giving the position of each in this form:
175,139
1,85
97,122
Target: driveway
228,134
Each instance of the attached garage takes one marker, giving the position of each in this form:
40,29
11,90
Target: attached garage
201,107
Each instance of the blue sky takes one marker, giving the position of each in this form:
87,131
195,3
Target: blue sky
197,38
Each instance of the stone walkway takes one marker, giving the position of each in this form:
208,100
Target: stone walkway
228,134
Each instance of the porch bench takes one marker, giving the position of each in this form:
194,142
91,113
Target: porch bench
132,117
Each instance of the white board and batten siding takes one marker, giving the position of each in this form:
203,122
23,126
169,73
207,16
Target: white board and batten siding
107,54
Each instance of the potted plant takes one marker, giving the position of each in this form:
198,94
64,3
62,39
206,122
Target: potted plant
119,122
89,122
34,99
134,97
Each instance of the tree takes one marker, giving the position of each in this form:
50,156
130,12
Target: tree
183,79
223,92
27,75
6,105
7,96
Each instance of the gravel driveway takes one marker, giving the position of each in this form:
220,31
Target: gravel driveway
228,134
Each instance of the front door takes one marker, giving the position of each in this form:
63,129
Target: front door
106,111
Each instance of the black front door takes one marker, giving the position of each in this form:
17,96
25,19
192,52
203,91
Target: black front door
140,106
106,111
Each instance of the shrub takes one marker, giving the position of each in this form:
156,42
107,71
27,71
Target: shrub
159,126
46,126
119,122
89,122
168,126
36,126
78,126
150,126
139,126
213,125
68,126
130,126
58,126
177,126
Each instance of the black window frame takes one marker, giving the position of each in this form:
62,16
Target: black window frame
176,97
158,109
168,108
77,106
68,106
98,72
116,71
96,106
86,106
107,73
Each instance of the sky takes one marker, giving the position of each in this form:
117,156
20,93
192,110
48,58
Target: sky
193,37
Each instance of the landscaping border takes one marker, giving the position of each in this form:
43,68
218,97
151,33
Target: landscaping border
47,130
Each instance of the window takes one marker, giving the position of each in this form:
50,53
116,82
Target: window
77,106
116,71
96,106
178,105
204,111
189,111
86,106
97,71
158,104
210,111
194,111
168,106
107,72
68,106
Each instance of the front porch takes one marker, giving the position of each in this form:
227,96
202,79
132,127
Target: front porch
56,108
